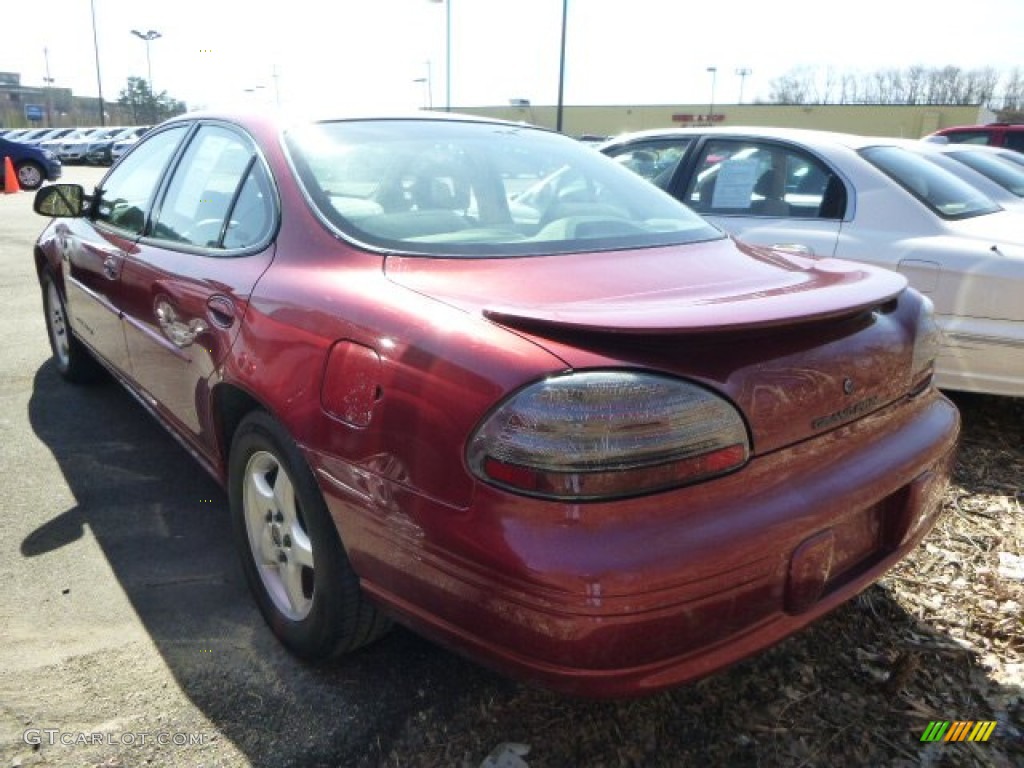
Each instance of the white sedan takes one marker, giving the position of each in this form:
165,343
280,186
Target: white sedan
866,199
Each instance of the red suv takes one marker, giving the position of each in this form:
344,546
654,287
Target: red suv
1009,135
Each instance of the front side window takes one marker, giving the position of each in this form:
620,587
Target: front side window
752,178
453,188
947,195
217,178
123,201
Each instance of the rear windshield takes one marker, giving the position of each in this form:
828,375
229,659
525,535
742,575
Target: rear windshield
947,195
452,188
1009,176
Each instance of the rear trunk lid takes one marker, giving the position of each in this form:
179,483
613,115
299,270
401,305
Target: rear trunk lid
801,346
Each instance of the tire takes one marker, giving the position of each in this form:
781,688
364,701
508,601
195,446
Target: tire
74,362
30,175
291,552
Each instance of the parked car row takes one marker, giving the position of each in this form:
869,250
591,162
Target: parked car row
913,207
94,146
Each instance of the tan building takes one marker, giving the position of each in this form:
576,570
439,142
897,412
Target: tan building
869,120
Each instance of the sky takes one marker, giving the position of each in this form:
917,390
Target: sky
390,54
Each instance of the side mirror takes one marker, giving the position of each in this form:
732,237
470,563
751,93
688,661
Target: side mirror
61,200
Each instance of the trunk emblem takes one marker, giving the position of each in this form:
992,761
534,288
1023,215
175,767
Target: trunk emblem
848,386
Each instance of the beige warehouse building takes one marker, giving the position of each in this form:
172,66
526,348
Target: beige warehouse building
870,120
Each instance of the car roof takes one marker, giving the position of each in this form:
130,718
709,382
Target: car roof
981,127
283,120
808,137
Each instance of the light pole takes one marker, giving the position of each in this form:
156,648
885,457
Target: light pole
711,108
147,38
96,49
561,69
447,53
743,72
428,85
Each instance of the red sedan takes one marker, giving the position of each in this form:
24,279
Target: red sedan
582,436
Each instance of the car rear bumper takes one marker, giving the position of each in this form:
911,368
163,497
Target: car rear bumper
630,597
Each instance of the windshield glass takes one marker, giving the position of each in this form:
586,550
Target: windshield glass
480,189
1007,175
947,195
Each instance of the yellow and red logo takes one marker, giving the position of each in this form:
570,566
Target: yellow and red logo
959,730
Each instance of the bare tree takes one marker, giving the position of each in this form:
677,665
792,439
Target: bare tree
1013,91
911,85
794,87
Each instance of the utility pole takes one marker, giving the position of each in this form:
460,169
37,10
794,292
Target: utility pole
743,72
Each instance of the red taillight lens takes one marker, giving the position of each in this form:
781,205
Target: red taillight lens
607,434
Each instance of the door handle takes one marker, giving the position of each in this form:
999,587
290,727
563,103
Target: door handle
221,310
111,267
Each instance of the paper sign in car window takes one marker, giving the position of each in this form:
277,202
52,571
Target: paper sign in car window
735,185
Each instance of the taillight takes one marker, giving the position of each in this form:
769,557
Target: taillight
927,341
607,434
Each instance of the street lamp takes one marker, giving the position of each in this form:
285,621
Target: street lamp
711,108
96,50
743,72
428,85
447,53
561,69
147,38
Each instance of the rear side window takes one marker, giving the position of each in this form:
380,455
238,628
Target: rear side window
218,197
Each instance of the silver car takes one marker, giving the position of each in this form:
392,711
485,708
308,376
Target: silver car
865,199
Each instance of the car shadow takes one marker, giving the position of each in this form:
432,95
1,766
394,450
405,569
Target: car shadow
162,525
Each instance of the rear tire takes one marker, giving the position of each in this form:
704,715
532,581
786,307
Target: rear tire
74,362
291,552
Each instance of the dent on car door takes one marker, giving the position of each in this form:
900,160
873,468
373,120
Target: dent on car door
193,272
768,194
94,249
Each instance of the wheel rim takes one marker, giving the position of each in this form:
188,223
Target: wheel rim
58,325
280,546
29,176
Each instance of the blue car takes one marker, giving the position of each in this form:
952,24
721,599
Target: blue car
32,165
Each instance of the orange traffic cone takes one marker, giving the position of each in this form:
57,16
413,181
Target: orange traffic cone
10,178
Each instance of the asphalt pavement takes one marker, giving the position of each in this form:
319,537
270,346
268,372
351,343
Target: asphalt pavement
128,634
